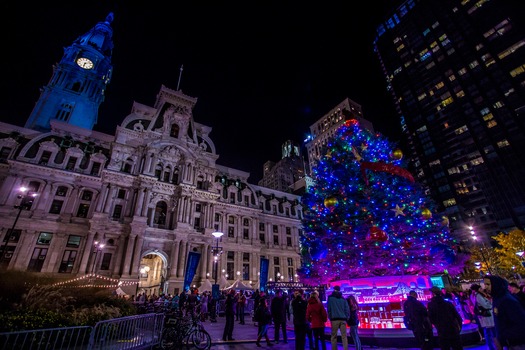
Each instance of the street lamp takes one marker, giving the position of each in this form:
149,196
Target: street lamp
142,271
98,246
475,238
25,201
215,288
216,253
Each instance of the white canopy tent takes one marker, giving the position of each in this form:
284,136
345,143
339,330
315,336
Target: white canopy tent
238,285
205,286
223,283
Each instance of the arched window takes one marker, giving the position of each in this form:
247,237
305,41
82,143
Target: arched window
127,167
174,132
159,217
158,171
175,178
167,173
200,183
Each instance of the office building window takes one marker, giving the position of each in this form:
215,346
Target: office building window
68,261
37,260
44,238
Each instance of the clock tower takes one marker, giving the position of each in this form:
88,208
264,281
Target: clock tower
77,87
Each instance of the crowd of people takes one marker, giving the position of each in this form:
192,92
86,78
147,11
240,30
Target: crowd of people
498,310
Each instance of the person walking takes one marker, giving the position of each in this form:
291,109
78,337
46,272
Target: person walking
317,316
278,311
509,316
338,313
417,315
229,313
241,305
486,320
353,321
300,324
447,320
204,306
263,317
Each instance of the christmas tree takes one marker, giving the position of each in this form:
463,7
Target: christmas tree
366,216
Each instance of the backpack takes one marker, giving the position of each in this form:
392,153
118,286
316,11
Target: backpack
481,311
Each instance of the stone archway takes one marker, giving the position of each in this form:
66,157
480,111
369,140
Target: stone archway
152,273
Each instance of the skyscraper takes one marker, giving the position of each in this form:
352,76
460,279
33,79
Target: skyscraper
455,70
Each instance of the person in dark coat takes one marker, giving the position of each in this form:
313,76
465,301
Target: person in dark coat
278,310
516,291
509,316
300,325
417,313
264,318
229,313
447,320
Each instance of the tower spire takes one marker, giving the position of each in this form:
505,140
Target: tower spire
180,76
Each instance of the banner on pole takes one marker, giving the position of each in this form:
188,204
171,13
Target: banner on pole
263,278
191,268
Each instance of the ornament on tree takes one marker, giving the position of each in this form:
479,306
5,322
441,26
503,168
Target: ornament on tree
445,221
426,214
331,202
377,235
398,211
407,245
397,154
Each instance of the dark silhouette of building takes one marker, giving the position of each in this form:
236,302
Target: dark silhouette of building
455,70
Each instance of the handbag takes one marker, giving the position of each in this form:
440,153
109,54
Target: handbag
481,311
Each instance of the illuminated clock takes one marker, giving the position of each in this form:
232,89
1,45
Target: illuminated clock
85,63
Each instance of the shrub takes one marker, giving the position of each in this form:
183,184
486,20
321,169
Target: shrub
30,301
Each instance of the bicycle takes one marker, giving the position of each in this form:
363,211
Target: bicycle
185,332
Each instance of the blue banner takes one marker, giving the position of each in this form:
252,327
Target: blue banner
191,268
263,278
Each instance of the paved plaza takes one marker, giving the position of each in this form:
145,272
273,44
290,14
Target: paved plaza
246,335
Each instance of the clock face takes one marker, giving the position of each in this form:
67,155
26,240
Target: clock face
85,63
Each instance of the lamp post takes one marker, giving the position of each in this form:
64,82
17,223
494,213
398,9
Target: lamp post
142,271
522,260
216,253
475,238
25,201
98,246
215,287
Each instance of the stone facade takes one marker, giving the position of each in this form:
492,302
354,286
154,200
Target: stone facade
151,194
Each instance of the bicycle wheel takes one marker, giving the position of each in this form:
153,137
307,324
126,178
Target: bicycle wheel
169,339
200,339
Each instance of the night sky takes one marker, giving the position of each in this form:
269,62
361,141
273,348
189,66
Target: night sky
262,73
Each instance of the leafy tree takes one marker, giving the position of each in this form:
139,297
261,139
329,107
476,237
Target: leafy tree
508,245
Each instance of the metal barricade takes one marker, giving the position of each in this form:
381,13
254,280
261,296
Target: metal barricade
133,332
71,338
